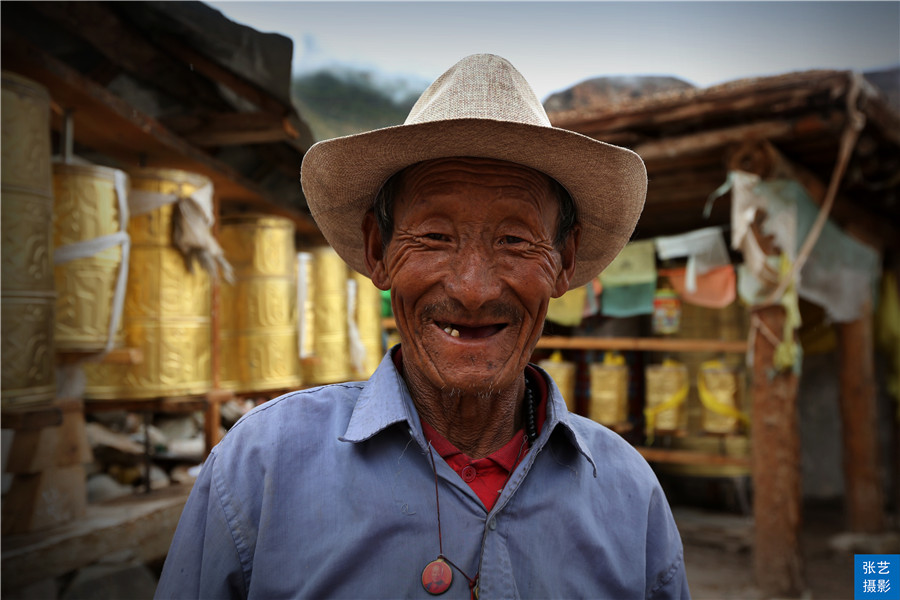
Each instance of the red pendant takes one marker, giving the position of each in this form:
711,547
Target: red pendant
437,577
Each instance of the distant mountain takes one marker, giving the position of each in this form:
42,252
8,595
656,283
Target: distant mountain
336,103
612,90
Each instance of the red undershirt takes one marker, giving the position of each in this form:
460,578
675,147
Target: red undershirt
486,476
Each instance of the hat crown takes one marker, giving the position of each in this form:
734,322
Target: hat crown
480,86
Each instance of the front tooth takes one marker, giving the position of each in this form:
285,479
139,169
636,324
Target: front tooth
447,329
454,333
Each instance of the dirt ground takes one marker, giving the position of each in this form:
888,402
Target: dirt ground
719,559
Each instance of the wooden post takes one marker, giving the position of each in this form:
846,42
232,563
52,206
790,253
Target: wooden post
858,401
775,453
211,419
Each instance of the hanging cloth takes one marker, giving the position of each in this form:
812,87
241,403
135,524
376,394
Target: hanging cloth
717,288
705,250
629,282
192,222
568,309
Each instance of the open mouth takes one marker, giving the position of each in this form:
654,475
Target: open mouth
471,332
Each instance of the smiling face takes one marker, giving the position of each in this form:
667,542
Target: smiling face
471,266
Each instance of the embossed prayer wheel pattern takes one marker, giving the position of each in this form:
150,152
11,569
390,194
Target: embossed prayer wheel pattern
724,386
167,307
86,207
609,394
331,360
258,318
563,373
368,321
663,383
28,294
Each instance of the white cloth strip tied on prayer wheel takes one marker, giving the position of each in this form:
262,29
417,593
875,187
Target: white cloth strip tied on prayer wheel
93,247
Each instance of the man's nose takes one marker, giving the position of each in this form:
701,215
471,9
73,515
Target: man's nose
473,280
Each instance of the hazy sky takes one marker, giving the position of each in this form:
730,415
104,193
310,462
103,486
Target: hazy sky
558,44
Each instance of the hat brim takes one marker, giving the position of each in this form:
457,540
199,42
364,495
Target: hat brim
341,177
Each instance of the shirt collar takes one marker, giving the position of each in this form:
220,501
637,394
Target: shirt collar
558,414
385,400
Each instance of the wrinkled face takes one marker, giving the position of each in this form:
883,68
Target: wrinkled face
472,267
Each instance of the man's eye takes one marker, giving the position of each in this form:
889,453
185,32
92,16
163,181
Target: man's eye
511,239
437,237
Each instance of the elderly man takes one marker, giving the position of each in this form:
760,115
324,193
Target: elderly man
456,469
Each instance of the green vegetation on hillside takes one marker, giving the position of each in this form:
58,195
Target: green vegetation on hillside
342,103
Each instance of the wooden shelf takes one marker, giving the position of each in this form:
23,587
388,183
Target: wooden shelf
118,356
691,457
209,404
558,342
642,344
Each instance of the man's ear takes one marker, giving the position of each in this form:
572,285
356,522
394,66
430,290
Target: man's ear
374,252
567,255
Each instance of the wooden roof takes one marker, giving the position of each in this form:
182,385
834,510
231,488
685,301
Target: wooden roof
688,138
169,84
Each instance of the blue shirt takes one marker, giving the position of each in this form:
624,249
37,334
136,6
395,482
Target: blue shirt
329,493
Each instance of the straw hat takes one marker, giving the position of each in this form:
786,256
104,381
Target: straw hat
481,107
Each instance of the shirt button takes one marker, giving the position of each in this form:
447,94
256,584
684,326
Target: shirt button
468,473
492,524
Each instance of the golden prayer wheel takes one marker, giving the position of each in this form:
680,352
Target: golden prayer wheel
563,373
167,307
667,388
26,135
28,294
720,390
258,317
368,323
331,360
609,391
86,207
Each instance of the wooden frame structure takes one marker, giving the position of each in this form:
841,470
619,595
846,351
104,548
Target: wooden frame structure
689,141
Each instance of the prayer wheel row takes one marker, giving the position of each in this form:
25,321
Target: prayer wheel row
340,329
667,387
91,262
720,390
258,311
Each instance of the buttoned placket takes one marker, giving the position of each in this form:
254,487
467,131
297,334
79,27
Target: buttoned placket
497,580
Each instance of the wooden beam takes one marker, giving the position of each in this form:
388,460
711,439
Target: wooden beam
108,124
128,48
665,149
228,129
223,76
864,491
772,95
775,454
302,138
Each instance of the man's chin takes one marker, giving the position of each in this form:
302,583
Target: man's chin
476,384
